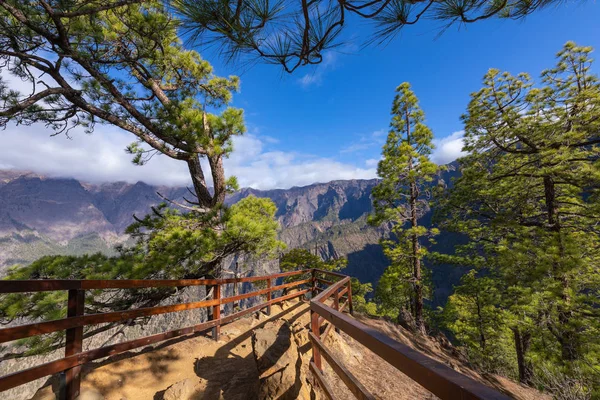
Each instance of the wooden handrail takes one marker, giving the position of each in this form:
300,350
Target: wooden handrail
75,321
53,367
45,285
349,379
41,328
330,273
321,380
325,281
434,376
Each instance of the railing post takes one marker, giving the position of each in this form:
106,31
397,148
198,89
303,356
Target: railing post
336,305
216,314
269,296
314,283
316,330
74,343
350,308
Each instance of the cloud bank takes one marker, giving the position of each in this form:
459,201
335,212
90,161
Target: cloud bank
448,149
100,157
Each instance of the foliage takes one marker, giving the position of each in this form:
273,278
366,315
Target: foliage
170,245
474,316
297,259
401,199
528,199
360,291
303,259
121,64
294,34
194,243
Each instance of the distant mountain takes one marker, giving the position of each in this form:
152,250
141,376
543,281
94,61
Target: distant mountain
40,216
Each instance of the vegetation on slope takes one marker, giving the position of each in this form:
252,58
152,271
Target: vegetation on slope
124,64
528,202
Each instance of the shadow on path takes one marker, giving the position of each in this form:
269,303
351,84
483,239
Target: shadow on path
232,377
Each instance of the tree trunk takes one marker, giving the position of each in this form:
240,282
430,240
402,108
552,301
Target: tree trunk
482,341
418,286
218,175
566,335
416,265
199,182
522,344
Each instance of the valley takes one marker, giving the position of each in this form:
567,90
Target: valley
45,216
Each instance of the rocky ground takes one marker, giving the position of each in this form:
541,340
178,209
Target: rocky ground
200,368
267,358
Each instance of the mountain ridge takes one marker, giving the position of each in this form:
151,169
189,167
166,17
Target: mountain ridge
42,215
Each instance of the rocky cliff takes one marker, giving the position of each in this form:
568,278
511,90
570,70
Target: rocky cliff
40,216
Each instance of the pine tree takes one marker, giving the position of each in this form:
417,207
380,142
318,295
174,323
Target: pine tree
402,197
124,64
475,316
121,64
528,200
298,33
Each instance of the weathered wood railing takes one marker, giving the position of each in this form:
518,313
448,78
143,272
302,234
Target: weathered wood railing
75,357
434,376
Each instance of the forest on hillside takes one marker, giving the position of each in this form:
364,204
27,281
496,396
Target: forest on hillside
527,201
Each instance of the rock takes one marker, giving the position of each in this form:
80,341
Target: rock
90,394
182,390
407,321
300,334
278,362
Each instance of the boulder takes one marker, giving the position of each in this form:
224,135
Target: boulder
278,362
89,394
182,390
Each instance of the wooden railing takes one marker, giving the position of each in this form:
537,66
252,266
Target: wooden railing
325,307
75,357
434,376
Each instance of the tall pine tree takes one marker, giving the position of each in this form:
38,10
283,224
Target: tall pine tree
528,199
402,198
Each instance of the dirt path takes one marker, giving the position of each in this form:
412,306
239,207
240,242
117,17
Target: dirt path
225,369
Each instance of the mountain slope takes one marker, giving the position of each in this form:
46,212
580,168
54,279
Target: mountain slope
40,215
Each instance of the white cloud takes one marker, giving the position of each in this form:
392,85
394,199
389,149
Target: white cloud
100,157
316,77
448,149
311,79
372,162
375,138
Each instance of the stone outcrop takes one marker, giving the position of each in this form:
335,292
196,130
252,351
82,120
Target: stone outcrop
88,394
280,363
182,390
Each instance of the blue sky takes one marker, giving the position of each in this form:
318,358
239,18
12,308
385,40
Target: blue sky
329,122
350,97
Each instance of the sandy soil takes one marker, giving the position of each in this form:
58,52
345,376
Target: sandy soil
227,369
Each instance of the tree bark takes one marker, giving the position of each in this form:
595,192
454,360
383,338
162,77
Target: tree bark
199,182
416,263
482,340
522,344
565,334
218,175
418,286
